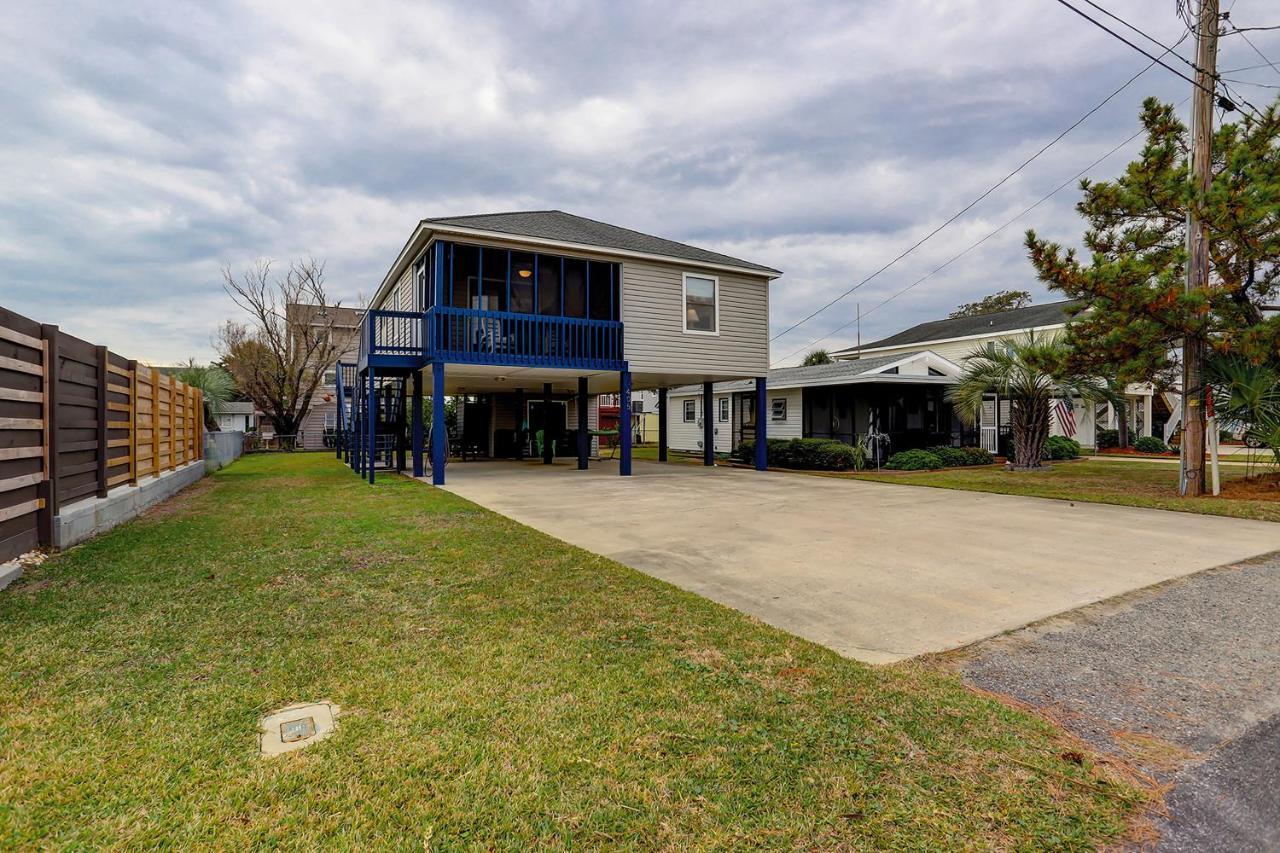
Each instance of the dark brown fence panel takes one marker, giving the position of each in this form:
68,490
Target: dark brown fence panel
22,450
76,416
77,421
119,437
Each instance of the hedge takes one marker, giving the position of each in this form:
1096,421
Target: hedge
959,457
804,454
1106,438
1150,444
914,460
1061,447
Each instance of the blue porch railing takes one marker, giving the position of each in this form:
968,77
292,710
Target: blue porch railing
411,339
510,338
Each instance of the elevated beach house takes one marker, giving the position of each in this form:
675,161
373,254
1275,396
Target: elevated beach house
523,320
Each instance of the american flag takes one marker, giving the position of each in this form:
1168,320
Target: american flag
1066,416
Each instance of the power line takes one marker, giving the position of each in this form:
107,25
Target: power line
1154,59
1130,26
1249,42
971,204
975,245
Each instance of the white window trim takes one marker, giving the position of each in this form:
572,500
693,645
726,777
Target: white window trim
773,409
684,412
723,408
684,303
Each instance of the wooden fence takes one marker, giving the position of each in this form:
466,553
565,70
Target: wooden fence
77,421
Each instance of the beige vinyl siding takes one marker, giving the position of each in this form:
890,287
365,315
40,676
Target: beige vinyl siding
688,436
653,319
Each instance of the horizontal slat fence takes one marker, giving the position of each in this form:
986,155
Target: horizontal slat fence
77,421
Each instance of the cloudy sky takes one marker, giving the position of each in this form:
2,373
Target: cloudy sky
146,145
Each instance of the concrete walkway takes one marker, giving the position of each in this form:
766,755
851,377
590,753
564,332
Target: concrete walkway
876,571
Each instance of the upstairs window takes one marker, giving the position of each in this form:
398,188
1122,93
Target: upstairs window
701,304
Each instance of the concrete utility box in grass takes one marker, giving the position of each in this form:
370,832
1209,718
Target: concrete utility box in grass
296,726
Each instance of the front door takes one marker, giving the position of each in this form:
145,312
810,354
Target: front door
559,418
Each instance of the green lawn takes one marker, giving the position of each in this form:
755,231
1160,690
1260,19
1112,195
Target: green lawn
499,688
1145,484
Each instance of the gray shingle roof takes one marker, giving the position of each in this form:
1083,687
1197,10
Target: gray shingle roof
567,228
1048,314
783,377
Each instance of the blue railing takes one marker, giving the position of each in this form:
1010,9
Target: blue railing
511,338
490,337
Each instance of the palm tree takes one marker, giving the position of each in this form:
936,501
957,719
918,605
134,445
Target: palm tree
215,384
817,356
1247,396
1026,372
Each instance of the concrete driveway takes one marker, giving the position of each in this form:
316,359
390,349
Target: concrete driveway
876,571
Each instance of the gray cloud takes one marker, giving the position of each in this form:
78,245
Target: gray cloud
147,144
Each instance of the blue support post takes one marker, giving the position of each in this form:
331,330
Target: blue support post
357,426
372,425
584,440
662,424
439,431
708,424
337,425
417,424
624,430
762,430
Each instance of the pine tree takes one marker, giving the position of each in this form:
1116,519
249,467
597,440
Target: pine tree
1134,309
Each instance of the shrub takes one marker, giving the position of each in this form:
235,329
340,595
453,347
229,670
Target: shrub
1105,438
805,454
1061,447
913,460
955,457
1150,444
977,456
952,457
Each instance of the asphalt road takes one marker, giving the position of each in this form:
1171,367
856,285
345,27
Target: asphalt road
1181,679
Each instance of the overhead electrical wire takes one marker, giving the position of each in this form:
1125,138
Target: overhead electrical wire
973,203
974,245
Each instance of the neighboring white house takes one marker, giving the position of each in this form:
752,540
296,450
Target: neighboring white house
235,416
956,338
899,396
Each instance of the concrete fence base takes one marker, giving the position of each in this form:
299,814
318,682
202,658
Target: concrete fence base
84,519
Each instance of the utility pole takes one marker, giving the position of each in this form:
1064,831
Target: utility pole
859,330
1193,346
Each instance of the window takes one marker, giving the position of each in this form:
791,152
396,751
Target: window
637,407
330,378
549,293
778,408
690,411
701,304
330,418
604,290
724,410
575,288
522,282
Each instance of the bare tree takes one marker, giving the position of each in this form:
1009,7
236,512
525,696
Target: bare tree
279,355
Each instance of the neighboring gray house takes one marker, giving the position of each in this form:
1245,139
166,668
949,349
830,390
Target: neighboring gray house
955,338
899,396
